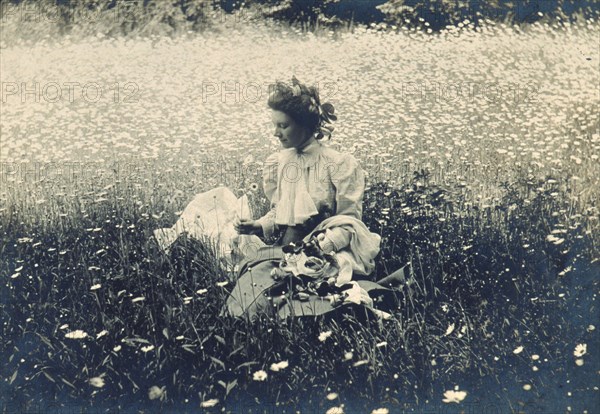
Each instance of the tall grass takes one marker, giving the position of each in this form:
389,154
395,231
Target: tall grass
484,282
498,216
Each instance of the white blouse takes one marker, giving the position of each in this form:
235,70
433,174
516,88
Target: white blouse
316,179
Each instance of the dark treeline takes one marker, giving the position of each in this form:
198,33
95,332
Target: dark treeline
200,14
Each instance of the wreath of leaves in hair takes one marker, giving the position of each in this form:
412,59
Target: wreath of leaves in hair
325,111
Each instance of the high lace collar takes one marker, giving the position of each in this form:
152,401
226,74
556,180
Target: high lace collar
307,154
295,205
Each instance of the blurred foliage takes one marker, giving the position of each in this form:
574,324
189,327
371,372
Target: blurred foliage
177,16
441,13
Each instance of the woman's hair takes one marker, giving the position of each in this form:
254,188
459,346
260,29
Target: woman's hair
303,105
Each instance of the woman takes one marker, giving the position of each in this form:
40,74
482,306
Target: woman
311,186
316,197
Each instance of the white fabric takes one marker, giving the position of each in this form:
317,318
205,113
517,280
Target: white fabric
357,295
295,204
211,215
333,181
325,243
363,246
344,260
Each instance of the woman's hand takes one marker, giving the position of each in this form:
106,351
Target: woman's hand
247,227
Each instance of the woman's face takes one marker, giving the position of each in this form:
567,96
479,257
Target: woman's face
289,133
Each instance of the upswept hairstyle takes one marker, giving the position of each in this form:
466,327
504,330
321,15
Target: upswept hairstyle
303,105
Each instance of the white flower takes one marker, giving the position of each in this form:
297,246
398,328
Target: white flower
209,403
78,334
221,284
348,356
380,411
147,348
518,350
155,392
279,366
65,326
527,387
259,375
381,314
361,362
97,382
117,348
324,335
96,286
579,362
138,299
380,344
331,396
449,330
335,410
454,396
202,292
101,334
580,350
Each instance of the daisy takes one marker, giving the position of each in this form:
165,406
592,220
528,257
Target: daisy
452,396
78,334
324,335
279,366
259,375
209,403
97,382
580,350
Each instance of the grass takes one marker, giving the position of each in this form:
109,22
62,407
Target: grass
491,275
498,216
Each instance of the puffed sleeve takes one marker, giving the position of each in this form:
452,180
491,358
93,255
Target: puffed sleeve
349,182
348,179
270,188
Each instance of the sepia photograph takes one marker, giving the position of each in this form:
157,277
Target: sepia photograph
300,206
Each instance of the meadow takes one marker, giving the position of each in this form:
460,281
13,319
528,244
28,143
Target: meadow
481,147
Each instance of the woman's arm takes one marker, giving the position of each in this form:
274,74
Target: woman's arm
267,222
348,179
349,183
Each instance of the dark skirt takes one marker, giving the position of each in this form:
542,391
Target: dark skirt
256,293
